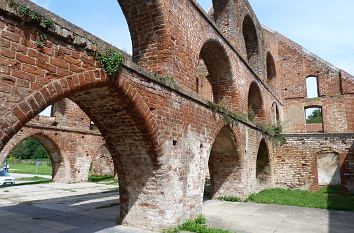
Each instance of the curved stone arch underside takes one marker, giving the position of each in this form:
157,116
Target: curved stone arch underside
148,33
255,102
251,40
60,164
263,164
127,125
218,71
225,164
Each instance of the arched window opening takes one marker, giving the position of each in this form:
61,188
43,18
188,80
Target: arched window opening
255,103
314,119
30,156
312,87
276,115
224,166
271,69
251,41
214,73
263,167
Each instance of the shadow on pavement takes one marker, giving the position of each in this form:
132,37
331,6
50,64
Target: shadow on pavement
86,213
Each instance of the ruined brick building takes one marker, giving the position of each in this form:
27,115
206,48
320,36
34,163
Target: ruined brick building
74,144
195,96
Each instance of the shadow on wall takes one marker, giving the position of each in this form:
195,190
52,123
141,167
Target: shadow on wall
263,166
224,166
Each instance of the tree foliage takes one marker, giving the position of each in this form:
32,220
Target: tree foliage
29,148
314,117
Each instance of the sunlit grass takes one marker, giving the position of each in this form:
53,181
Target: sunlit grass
325,198
30,169
197,225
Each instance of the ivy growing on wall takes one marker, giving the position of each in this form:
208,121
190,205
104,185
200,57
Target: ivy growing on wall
32,16
111,61
274,131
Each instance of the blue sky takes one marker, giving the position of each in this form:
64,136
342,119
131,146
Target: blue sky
326,28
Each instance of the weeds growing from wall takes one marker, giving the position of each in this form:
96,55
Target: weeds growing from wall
274,131
111,61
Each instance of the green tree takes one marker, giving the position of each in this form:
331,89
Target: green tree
314,117
29,148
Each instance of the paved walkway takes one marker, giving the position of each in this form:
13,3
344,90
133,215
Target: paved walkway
91,208
60,208
20,175
262,218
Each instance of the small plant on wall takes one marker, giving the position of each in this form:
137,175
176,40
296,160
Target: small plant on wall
111,61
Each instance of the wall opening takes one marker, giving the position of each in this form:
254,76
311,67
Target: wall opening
328,169
48,111
263,165
255,103
204,87
312,89
224,166
214,73
251,41
314,119
206,5
275,114
271,69
36,155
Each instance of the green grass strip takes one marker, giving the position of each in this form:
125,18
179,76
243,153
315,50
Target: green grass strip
97,179
326,198
30,169
197,225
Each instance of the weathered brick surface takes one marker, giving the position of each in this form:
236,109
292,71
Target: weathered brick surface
160,138
156,135
72,146
294,64
70,151
102,162
296,161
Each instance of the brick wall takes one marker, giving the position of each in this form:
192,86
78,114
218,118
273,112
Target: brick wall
160,137
296,161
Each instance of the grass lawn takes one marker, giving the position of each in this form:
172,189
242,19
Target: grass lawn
325,198
30,169
109,180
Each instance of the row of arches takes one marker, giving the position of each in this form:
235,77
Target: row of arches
227,163
215,80
250,37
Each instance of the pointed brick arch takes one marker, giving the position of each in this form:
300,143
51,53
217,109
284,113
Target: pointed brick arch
60,164
263,164
147,24
225,17
271,69
225,164
218,71
255,102
251,41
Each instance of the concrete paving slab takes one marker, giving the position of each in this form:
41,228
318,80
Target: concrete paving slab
91,208
259,218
